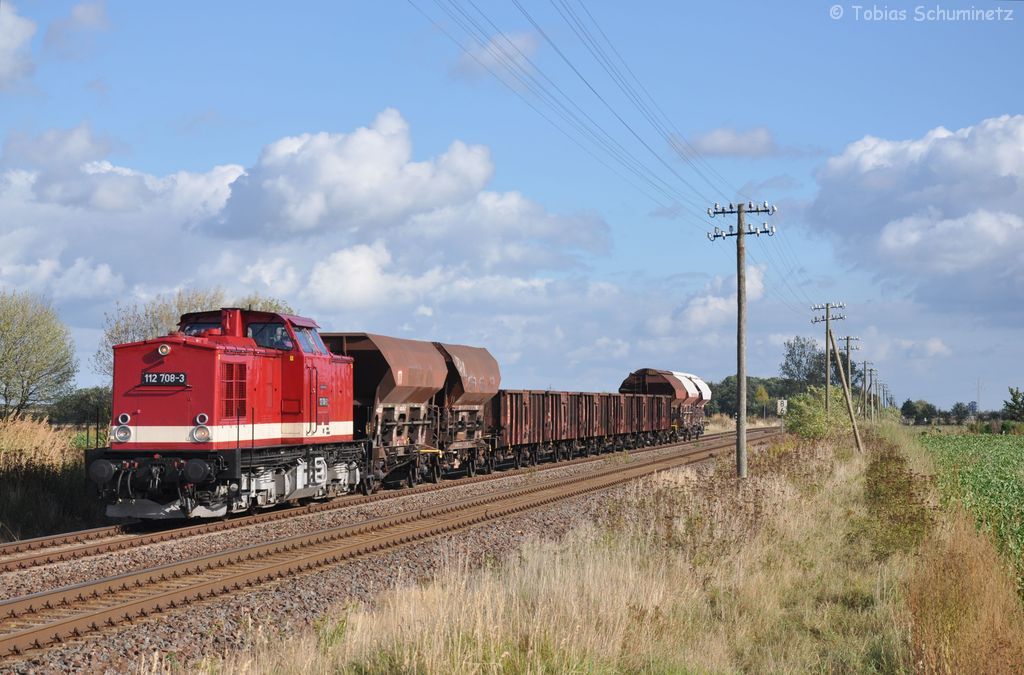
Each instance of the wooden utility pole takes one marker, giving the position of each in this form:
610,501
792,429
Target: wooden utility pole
846,392
828,319
864,388
849,360
740,210
873,400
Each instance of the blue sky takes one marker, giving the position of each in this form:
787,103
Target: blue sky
355,160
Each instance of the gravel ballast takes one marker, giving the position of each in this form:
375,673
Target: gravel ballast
211,628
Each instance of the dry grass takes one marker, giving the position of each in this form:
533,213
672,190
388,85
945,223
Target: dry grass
823,561
685,574
44,487
966,614
720,423
27,442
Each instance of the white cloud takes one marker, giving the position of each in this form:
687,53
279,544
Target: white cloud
82,280
343,182
68,36
363,277
728,142
709,308
15,35
499,55
68,167
601,349
402,244
940,214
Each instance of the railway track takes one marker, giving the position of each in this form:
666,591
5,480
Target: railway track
49,618
28,553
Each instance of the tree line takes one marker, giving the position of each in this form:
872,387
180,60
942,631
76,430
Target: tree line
802,367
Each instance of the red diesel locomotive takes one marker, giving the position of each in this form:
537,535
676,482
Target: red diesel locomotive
240,410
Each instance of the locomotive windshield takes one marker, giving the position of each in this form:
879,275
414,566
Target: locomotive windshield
197,327
270,334
310,341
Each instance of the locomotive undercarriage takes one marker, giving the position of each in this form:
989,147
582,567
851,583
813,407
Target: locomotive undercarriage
154,486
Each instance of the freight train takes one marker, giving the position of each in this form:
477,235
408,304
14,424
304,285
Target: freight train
241,410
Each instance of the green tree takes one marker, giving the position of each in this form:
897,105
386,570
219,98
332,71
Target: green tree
82,406
159,316
37,354
1014,408
926,412
960,412
909,410
761,398
803,362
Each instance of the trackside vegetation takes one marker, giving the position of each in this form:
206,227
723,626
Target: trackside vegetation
45,489
824,560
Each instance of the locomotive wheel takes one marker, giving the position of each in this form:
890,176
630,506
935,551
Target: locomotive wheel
366,486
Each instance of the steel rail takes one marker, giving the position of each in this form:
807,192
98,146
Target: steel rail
43,619
97,541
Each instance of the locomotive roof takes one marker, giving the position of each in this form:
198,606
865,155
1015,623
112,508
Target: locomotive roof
293,319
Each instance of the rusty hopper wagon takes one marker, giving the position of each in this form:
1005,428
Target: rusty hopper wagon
420,404
687,392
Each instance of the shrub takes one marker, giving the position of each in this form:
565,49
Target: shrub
806,415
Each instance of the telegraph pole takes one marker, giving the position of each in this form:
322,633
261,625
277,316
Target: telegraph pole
828,319
740,210
875,410
849,361
864,387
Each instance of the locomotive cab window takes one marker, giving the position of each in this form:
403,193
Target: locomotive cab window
309,341
271,334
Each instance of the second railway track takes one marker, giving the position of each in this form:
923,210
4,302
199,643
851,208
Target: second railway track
49,618
29,553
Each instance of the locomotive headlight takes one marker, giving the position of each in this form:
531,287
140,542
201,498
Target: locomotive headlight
202,418
201,434
122,434
124,418
163,350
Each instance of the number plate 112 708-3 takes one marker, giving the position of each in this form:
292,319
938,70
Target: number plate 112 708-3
170,379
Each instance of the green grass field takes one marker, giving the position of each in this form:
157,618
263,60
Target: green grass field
985,473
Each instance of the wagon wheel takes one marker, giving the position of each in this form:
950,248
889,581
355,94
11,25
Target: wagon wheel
533,457
410,478
471,467
517,459
434,470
